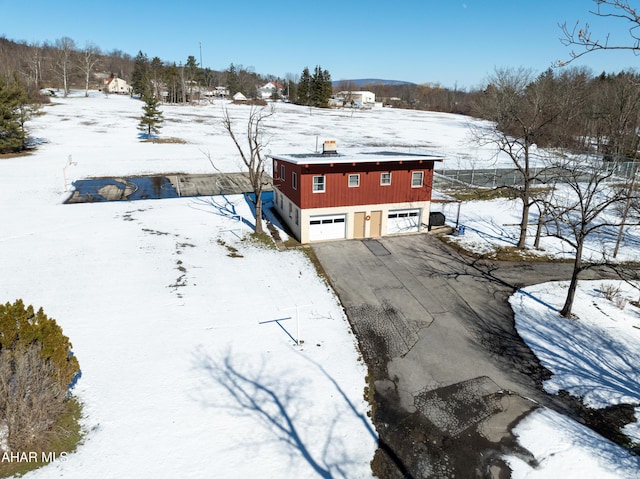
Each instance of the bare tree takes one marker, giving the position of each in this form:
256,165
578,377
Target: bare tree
582,37
524,112
64,49
35,64
90,58
252,158
584,204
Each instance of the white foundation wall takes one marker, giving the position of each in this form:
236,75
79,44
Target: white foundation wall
289,213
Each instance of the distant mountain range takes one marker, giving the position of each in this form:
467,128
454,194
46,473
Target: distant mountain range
364,81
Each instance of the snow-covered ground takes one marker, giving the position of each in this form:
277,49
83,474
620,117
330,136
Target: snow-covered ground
595,356
496,224
185,371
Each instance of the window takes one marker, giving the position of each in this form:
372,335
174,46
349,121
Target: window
297,216
416,179
282,175
318,184
294,180
385,178
290,210
354,181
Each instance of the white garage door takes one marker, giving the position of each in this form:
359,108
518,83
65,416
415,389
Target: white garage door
403,221
327,227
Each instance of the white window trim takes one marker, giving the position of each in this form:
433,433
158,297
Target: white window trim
324,184
294,180
385,173
282,173
413,173
357,177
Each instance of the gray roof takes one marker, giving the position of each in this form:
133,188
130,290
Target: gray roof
370,157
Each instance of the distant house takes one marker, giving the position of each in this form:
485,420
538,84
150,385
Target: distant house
357,99
269,89
216,92
239,97
330,196
117,85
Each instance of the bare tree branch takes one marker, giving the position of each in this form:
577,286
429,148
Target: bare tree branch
582,37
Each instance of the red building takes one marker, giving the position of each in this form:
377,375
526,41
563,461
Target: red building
328,196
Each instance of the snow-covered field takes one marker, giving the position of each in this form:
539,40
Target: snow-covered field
185,371
496,224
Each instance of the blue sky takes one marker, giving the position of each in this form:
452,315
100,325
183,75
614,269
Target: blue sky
449,42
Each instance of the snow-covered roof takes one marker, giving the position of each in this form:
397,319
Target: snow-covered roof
338,158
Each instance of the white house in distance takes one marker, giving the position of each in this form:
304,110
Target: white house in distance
357,99
269,89
117,85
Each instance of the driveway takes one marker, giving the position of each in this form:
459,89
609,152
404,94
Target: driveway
451,375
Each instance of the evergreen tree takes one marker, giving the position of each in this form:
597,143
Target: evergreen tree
173,83
191,71
37,369
304,88
327,88
156,68
22,326
233,83
13,102
320,89
152,119
140,74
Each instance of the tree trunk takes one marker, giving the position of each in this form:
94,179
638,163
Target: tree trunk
536,243
573,285
526,197
524,222
259,229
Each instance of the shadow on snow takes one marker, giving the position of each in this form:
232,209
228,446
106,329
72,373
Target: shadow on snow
274,401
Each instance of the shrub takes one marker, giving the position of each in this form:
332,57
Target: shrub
37,369
609,291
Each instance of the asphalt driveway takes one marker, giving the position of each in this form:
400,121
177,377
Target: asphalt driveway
451,375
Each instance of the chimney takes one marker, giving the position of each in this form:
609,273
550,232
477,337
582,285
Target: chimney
329,147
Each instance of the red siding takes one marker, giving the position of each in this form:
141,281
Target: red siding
285,184
337,191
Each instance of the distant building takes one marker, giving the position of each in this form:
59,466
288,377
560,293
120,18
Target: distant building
357,99
117,85
269,89
239,97
216,92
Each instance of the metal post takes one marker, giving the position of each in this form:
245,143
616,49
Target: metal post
64,172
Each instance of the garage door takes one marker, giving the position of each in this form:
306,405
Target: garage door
403,221
327,227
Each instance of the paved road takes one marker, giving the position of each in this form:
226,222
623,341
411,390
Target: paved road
438,336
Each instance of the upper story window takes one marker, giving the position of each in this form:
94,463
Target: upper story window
416,179
318,184
354,181
385,178
294,180
282,173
